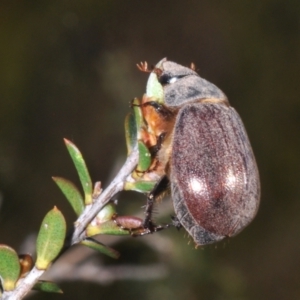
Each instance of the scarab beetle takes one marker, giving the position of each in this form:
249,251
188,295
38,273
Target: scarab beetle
208,159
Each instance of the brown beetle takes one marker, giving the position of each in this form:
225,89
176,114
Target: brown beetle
206,152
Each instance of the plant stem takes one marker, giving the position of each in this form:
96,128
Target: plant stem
25,285
114,187
82,222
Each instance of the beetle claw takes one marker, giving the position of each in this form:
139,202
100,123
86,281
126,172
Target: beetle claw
149,230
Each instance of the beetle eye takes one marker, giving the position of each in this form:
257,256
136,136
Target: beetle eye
164,79
167,79
173,79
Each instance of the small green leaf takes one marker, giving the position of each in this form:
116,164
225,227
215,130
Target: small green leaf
109,228
130,132
9,267
154,88
72,194
138,114
106,213
144,157
140,186
82,170
50,239
95,245
47,286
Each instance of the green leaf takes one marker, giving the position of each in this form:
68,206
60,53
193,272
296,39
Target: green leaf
106,213
140,186
9,267
50,239
95,245
138,114
109,228
47,286
130,132
144,157
82,170
120,225
72,194
154,88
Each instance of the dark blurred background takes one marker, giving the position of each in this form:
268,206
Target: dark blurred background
68,70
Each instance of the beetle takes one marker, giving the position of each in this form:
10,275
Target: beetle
209,164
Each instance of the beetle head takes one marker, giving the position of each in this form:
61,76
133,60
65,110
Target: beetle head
175,85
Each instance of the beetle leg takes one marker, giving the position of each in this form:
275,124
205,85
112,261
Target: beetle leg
135,227
160,187
144,231
160,109
154,149
148,212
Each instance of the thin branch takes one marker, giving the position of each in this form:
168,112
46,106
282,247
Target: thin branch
82,222
25,285
115,186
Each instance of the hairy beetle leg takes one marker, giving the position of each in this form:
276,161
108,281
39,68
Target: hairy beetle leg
144,231
160,109
147,224
154,149
160,187
134,225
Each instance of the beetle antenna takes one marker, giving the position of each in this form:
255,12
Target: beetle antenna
143,66
193,66
157,71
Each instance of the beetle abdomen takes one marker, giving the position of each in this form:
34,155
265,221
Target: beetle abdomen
214,177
